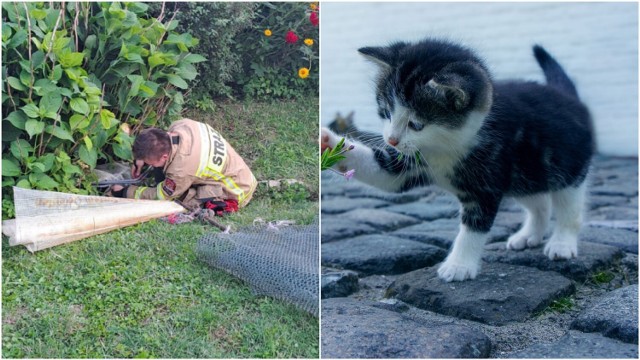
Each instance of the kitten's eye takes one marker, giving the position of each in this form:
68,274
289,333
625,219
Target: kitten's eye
416,126
384,114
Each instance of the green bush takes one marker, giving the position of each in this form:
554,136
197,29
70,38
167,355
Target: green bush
79,80
216,24
272,65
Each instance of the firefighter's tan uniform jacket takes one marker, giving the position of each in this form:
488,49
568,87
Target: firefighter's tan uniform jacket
202,165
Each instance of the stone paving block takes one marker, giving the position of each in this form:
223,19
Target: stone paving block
501,293
617,187
336,227
591,257
598,201
443,232
360,190
439,232
630,225
338,283
337,205
614,315
578,345
358,329
439,238
379,219
620,238
426,211
380,254
614,213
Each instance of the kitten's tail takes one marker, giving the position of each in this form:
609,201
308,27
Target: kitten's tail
554,73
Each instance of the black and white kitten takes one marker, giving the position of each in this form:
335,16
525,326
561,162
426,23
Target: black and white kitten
447,123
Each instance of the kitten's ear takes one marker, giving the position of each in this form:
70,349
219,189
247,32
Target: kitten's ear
350,116
449,92
379,55
383,56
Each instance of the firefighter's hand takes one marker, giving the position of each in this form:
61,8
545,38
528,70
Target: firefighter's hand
136,168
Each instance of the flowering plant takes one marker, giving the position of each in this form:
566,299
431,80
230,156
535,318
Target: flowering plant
283,42
331,157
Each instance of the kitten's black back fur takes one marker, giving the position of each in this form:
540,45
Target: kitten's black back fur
535,139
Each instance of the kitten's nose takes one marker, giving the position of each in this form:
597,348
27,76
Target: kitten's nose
393,141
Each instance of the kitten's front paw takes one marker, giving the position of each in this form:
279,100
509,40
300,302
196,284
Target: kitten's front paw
451,271
522,240
559,249
328,139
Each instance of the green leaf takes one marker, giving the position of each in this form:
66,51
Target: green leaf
45,182
18,39
90,42
15,83
10,167
89,157
47,160
136,81
122,151
25,78
148,89
38,14
88,142
34,127
194,58
38,59
78,121
59,132
18,119
8,181
71,169
177,81
36,167
51,102
56,74
79,105
31,110
71,59
21,148
155,60
187,71
24,183
106,118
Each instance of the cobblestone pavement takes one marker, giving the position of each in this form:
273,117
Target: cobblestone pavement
382,298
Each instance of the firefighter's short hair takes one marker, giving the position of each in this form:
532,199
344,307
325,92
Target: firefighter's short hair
151,144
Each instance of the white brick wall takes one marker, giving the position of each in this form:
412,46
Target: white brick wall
597,44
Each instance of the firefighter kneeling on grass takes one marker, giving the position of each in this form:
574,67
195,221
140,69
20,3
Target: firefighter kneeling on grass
199,167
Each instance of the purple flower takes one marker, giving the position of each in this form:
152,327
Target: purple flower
349,174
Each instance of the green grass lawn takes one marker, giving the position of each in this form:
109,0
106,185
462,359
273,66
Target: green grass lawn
142,292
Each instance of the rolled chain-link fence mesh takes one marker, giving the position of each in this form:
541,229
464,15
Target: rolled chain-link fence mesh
280,262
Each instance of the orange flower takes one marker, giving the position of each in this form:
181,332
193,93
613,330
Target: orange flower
313,6
303,73
308,42
267,32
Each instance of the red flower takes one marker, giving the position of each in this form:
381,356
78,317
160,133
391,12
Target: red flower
314,18
291,37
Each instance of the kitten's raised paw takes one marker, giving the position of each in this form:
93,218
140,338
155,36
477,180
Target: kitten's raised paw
559,250
327,139
450,271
